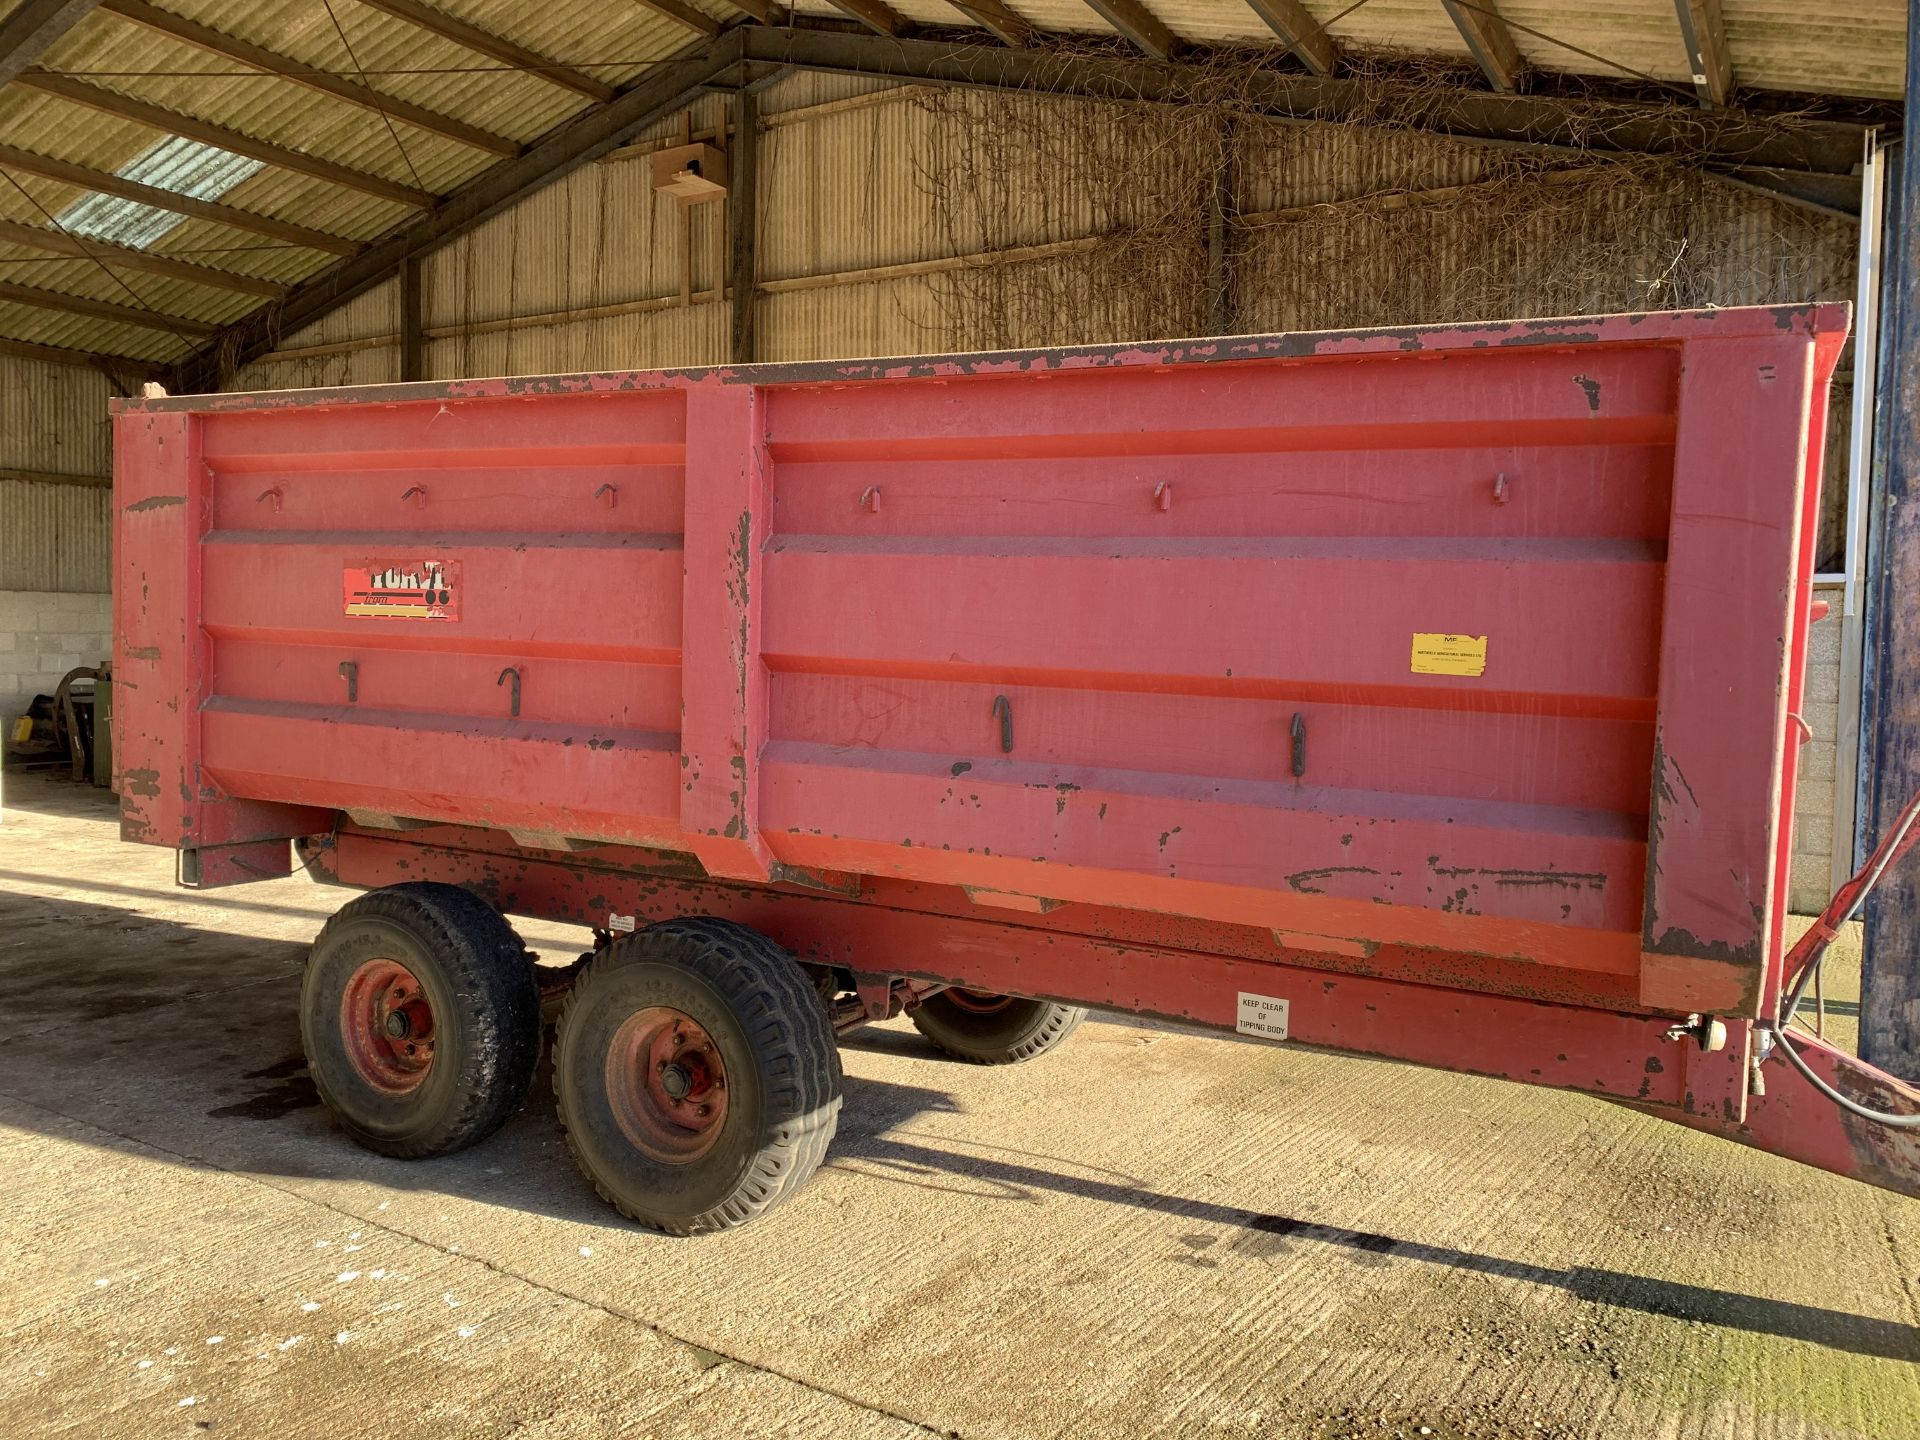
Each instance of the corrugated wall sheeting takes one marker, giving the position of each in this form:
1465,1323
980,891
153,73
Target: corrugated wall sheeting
53,420
808,88
55,537
363,365
1347,226
839,191
894,317
675,336
624,247
372,316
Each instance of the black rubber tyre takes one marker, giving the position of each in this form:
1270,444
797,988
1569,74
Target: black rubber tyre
994,1029
472,979
771,1070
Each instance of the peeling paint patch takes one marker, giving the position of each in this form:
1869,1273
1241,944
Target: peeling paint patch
144,782
1567,879
1307,882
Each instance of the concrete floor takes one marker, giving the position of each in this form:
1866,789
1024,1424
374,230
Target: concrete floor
1150,1232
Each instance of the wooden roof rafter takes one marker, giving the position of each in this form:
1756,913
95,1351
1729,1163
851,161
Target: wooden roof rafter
32,28
999,21
338,87
1302,34
1139,24
876,15
497,47
101,182
63,303
70,355
1704,32
83,247
1489,41
682,13
174,122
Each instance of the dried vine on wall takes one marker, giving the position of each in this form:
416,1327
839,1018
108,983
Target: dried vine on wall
1373,219
1376,219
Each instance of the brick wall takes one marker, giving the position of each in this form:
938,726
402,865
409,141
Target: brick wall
44,634
1811,880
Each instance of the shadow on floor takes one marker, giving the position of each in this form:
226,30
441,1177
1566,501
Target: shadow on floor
193,1047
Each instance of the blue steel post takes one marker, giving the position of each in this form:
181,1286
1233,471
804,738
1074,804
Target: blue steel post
1890,998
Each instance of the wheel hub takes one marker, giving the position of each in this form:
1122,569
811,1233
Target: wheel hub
386,1026
977,1002
667,1084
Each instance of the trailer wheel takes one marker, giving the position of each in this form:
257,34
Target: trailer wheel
697,1075
993,1029
420,1018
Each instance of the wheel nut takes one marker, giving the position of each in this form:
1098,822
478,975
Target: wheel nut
706,1110
397,1024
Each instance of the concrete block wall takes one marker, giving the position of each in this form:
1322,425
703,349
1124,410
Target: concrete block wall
1810,881
43,635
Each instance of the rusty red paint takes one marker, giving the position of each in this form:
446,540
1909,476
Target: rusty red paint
666,1084
1537,592
386,1026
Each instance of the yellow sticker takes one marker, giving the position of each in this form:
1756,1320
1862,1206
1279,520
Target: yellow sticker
1449,654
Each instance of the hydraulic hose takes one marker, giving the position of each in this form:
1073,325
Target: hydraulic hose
1852,1107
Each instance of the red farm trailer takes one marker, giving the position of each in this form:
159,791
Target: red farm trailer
1424,693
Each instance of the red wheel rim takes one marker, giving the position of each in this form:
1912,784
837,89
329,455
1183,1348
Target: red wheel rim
977,1002
667,1084
386,1022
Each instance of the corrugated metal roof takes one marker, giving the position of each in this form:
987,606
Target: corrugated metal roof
1833,47
612,42
1840,47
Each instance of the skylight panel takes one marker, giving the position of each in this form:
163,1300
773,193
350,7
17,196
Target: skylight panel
183,166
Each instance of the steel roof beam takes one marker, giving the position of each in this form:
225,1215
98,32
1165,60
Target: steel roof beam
31,29
1705,34
271,62
104,310
67,173
1489,40
665,87
82,247
1138,24
1304,37
125,107
497,47
1825,147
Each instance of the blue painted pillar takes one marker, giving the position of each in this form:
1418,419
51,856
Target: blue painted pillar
1890,999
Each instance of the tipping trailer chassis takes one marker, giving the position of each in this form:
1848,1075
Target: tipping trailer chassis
1429,694
1729,1078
